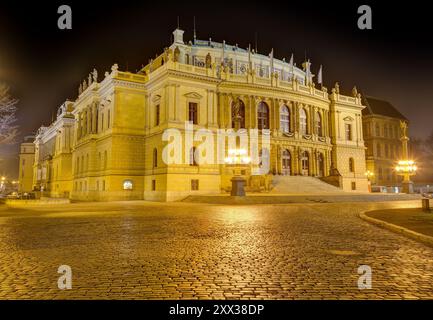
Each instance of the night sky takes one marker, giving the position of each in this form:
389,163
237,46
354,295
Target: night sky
44,65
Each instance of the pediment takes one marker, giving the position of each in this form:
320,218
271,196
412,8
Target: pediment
193,95
348,118
156,98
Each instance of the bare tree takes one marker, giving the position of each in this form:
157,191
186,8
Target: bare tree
8,109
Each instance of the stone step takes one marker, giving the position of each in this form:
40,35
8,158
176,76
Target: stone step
301,185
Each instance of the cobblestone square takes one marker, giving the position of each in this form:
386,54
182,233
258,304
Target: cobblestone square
145,250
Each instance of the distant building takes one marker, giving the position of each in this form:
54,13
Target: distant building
52,169
26,156
381,127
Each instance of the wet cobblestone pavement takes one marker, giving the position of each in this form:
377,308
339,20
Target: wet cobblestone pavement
142,250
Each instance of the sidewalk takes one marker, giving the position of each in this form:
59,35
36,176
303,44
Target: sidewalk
266,198
411,222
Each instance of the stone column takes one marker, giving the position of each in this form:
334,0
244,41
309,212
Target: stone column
96,117
89,120
253,112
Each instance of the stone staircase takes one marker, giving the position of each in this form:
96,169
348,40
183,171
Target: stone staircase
302,185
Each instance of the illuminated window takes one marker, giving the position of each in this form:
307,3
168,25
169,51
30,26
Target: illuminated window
285,119
127,185
155,158
303,121
263,116
194,184
318,123
157,115
348,127
192,112
193,157
351,165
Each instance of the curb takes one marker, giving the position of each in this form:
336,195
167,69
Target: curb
397,229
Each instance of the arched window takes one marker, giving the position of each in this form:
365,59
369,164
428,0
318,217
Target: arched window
155,158
285,119
263,116
318,124
303,128
351,165
192,157
239,108
286,161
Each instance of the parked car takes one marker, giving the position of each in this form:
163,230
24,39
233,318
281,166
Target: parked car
13,195
427,195
381,189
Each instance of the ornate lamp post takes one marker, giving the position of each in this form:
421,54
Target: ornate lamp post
237,158
369,175
405,167
239,161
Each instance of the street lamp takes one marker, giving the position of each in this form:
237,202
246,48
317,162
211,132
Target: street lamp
239,161
369,174
405,167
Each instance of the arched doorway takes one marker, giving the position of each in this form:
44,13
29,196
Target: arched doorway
321,165
286,161
305,163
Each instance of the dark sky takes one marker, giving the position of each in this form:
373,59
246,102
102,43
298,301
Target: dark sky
44,65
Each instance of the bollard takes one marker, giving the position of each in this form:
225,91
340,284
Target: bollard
425,204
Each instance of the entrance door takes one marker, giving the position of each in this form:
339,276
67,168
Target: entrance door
286,163
305,161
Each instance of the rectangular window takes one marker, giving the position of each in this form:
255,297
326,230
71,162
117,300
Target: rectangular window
194,184
157,115
353,185
192,112
153,185
348,132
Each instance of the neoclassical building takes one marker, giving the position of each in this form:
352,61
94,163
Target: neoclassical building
110,142
382,135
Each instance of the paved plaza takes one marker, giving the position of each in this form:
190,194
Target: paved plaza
144,250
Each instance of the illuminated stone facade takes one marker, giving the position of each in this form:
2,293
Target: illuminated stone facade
109,142
382,134
26,160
